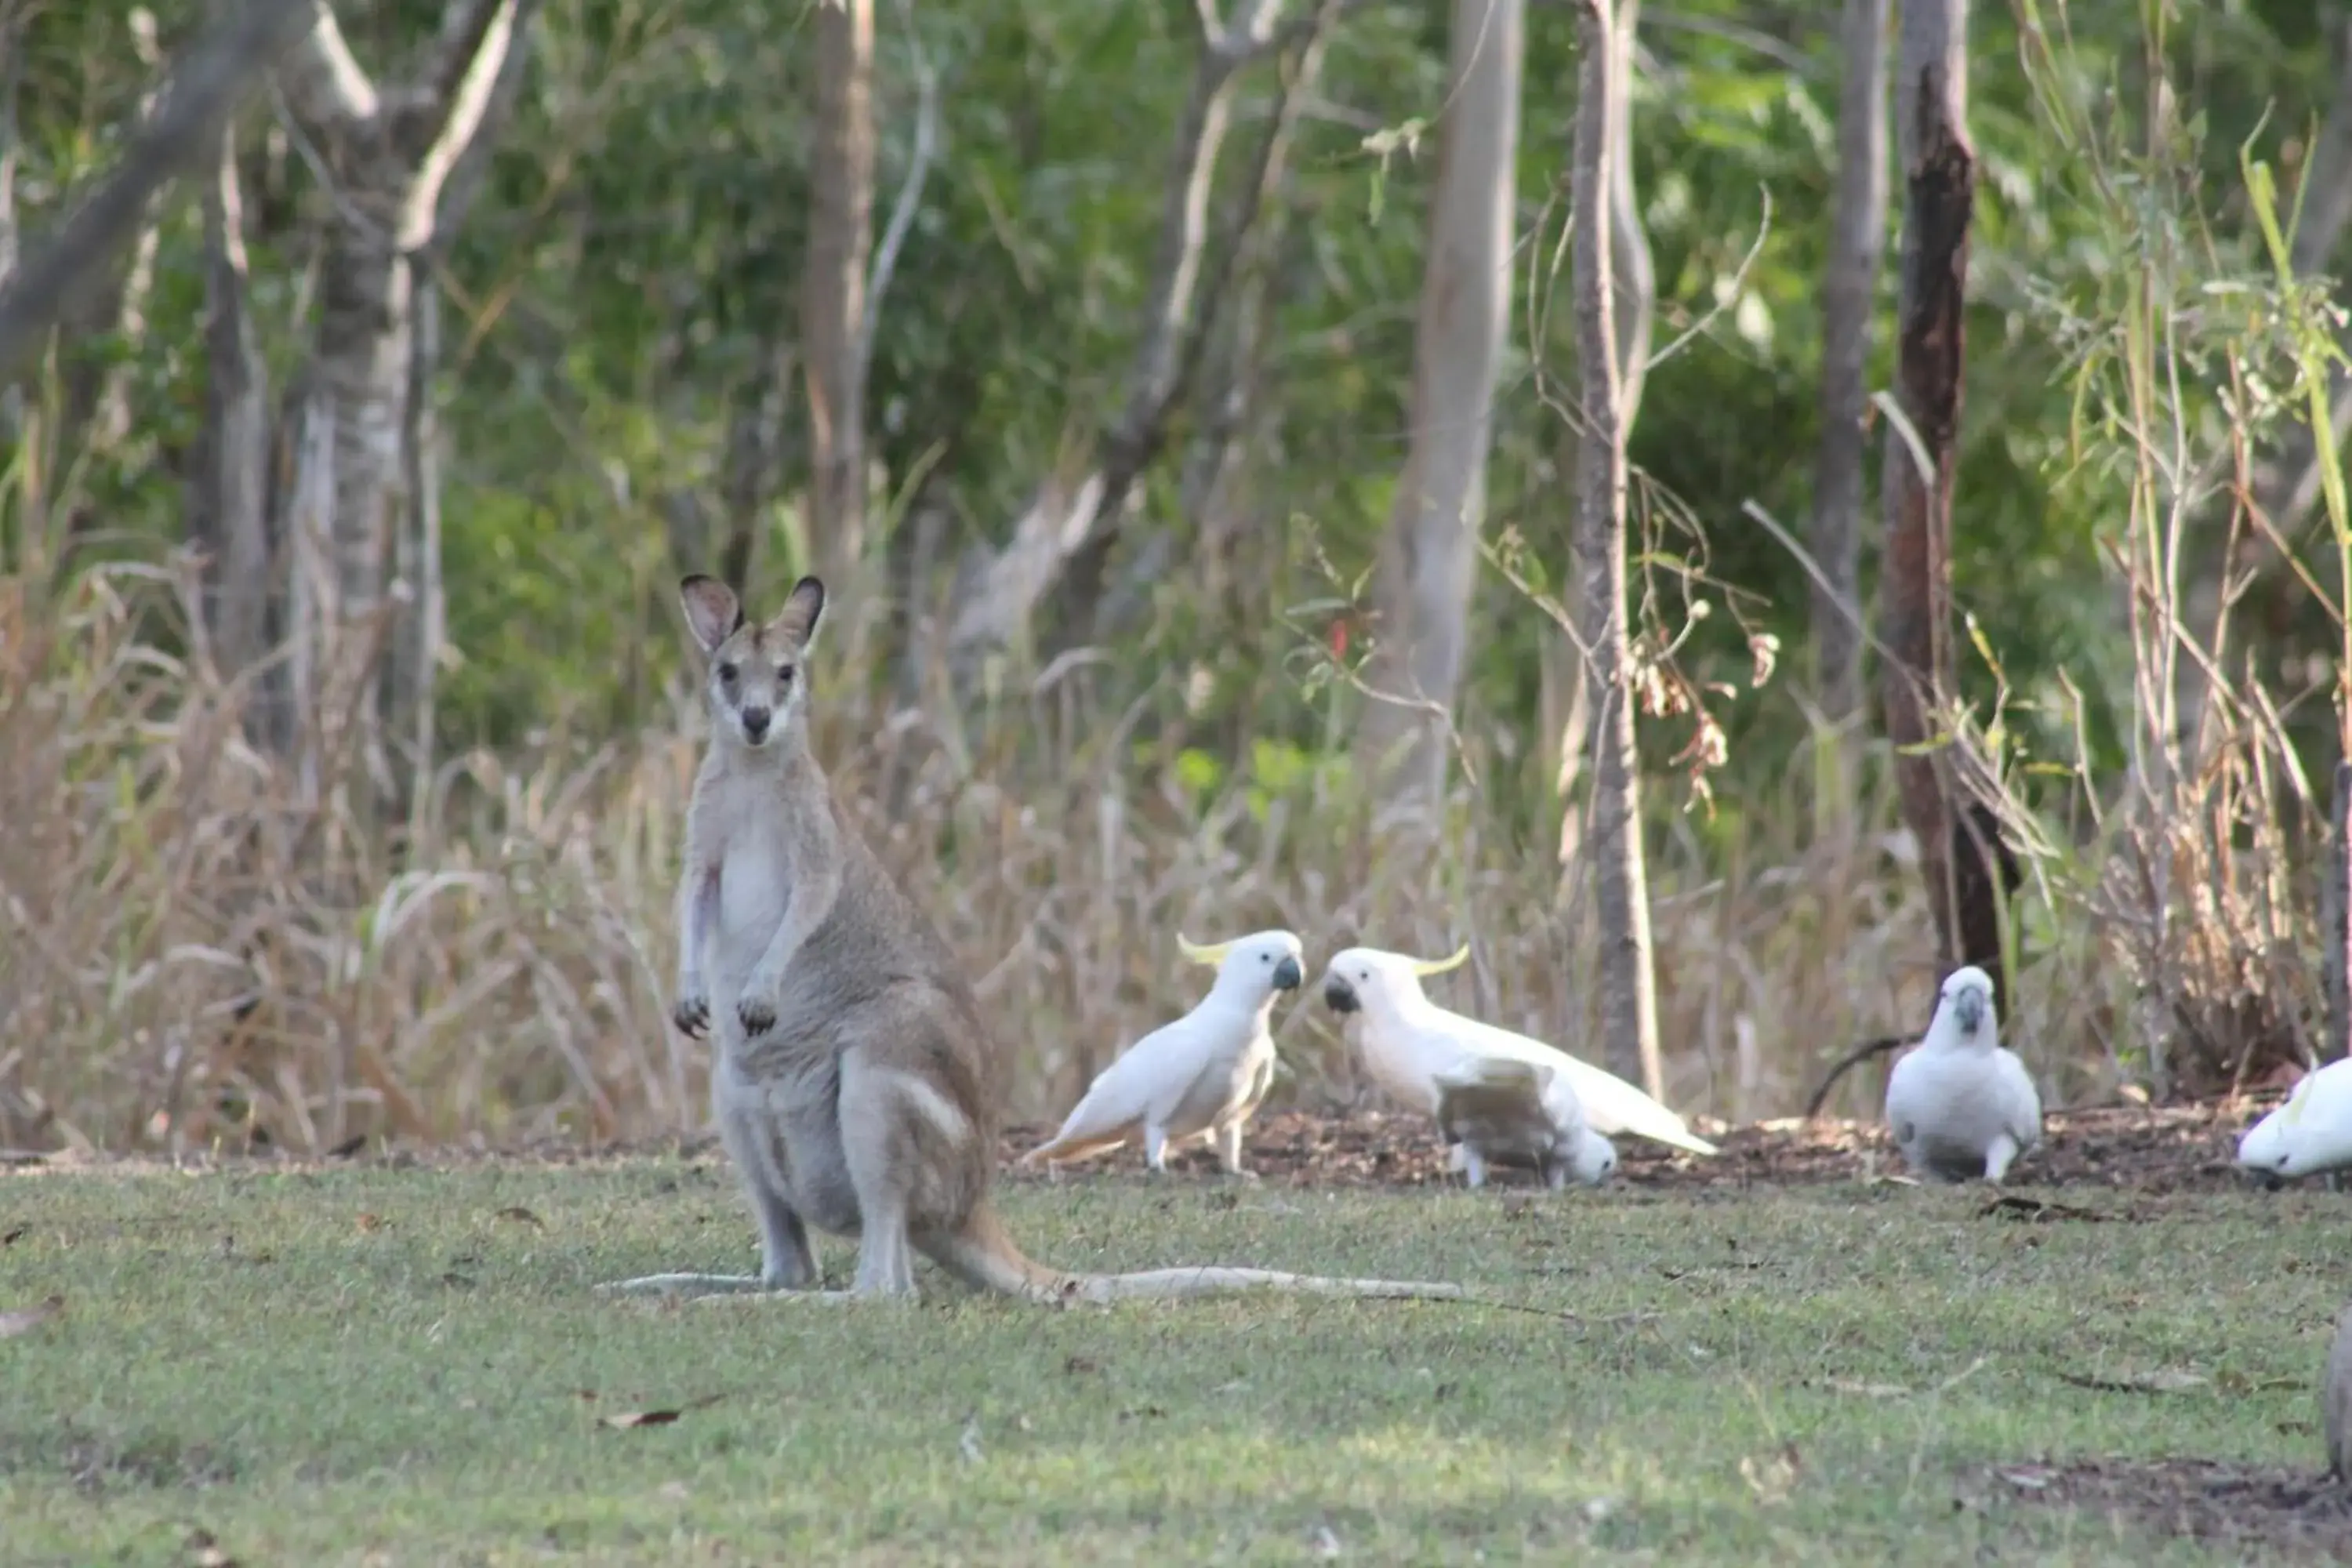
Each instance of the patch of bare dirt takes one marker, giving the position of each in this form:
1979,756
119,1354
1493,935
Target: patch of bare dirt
2139,1150
2168,1148
2260,1513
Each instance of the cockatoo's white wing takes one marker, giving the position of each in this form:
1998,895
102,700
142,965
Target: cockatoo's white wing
2021,1101
1500,1100
1612,1105
1149,1079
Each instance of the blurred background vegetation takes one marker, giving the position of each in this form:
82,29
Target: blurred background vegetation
218,927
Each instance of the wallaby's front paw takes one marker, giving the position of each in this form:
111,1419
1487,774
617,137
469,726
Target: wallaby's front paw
757,1008
692,1017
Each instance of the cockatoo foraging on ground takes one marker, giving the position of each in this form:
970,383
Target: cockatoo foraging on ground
2310,1134
1501,1112
1409,1043
1962,1105
1199,1076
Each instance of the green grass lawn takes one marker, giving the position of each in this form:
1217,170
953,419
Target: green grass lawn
365,1365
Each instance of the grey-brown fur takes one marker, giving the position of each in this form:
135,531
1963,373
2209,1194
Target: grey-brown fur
855,1084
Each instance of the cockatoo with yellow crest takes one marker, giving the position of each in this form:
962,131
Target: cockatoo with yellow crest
2310,1134
1200,1077
1427,1056
1962,1105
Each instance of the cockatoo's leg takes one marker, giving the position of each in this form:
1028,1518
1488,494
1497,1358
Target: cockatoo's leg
1997,1156
1155,1147
1229,1148
1474,1166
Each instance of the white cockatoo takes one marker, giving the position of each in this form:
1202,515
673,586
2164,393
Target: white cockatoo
2310,1134
1499,1111
1961,1105
1409,1043
1199,1076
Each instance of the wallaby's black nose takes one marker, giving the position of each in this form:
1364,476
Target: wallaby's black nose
755,722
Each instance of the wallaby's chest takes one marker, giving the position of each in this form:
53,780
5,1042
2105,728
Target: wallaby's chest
759,867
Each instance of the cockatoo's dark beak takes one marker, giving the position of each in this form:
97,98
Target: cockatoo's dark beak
1968,1010
1339,996
1289,976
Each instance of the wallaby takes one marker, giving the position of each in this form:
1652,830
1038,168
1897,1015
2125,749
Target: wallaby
855,1085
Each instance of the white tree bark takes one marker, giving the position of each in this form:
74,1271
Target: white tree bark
1629,1005
1849,293
1427,564
385,157
832,285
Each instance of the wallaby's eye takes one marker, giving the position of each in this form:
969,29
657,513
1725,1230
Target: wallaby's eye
727,673
783,675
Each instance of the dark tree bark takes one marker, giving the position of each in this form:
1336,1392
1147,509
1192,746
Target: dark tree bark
229,516
1849,293
1915,589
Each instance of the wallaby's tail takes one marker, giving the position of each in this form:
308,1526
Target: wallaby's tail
1853,1058
985,1256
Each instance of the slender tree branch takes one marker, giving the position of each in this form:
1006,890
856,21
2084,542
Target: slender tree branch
325,87
910,194
213,79
458,105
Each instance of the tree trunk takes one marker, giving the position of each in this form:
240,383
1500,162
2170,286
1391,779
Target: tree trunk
1849,296
229,516
1629,1004
390,155
1564,695
755,440
1915,590
1427,563
833,286
12,72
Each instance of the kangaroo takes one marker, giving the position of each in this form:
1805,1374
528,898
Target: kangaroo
855,1085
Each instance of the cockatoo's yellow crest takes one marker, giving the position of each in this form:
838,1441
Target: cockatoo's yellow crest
1211,955
2297,1102
1425,967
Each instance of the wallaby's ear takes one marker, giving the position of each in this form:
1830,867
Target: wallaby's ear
711,610
797,620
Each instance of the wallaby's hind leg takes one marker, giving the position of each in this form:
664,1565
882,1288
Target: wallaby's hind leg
785,1261
879,1109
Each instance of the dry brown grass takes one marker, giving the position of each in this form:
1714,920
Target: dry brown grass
188,958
